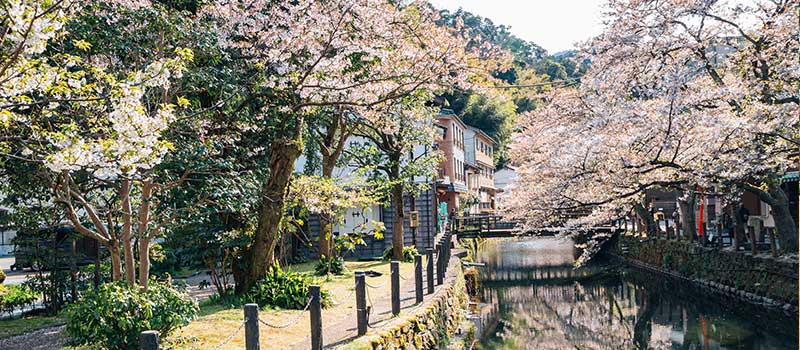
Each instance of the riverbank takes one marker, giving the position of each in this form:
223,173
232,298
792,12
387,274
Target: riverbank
761,279
619,307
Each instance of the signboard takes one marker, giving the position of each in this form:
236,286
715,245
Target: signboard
413,218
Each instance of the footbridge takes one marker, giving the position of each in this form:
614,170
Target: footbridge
495,226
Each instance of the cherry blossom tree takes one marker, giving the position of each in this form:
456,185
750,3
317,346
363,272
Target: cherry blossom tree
680,94
330,129
388,156
331,198
353,55
93,122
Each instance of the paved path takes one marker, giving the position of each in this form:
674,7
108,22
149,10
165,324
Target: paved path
340,330
6,262
15,277
51,338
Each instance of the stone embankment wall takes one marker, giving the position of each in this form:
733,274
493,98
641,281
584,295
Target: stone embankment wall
430,326
759,279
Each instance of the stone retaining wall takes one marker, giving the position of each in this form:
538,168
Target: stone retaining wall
431,326
759,279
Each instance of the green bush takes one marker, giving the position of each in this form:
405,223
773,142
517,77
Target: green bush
285,289
408,253
113,316
16,296
2,276
336,266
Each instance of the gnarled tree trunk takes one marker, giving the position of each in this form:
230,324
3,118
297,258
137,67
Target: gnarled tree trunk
260,255
784,222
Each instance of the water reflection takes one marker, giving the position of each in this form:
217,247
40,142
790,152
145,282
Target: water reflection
539,302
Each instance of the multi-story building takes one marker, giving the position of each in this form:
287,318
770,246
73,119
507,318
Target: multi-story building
479,154
451,183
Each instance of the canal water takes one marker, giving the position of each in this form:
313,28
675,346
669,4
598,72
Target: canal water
530,297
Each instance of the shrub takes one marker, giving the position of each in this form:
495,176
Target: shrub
408,253
113,316
16,296
2,276
285,289
336,266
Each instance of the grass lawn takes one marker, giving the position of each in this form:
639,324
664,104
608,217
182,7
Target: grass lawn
216,323
17,326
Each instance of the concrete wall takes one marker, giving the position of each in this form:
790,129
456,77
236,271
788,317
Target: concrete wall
759,279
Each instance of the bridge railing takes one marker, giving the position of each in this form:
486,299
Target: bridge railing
481,224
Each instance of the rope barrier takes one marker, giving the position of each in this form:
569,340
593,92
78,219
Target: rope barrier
230,337
374,287
370,308
292,322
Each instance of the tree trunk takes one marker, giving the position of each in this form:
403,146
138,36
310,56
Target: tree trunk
260,255
144,261
331,144
738,229
399,210
784,222
647,217
116,263
688,223
142,229
127,232
325,223
397,222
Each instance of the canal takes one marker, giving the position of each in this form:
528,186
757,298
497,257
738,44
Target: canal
530,297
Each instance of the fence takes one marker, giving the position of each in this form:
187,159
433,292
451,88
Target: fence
719,234
149,340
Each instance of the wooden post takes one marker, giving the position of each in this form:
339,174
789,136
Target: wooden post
316,317
395,268
148,340
439,263
361,303
251,341
446,244
418,277
429,263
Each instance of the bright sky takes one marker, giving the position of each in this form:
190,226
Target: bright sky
555,25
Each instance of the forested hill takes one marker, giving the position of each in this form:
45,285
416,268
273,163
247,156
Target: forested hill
522,83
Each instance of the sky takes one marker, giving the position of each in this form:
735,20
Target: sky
555,25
